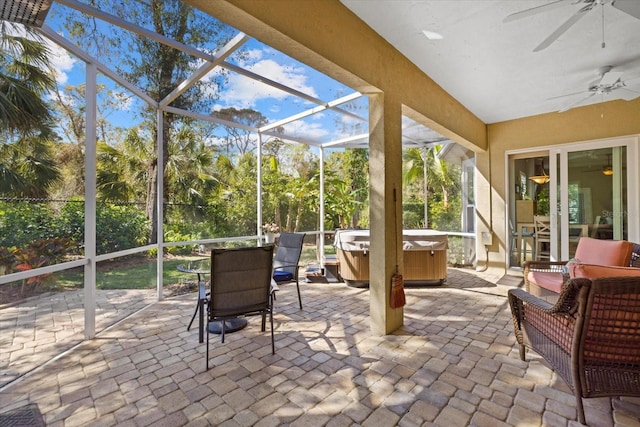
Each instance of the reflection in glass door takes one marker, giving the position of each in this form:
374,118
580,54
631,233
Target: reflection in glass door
596,194
529,199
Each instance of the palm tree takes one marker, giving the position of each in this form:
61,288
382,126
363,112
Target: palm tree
425,162
122,168
25,78
27,166
189,172
416,163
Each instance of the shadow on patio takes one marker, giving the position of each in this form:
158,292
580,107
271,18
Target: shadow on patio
453,363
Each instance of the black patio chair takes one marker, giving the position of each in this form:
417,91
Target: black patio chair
285,263
240,286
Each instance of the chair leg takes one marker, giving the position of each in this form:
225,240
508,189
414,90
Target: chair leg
207,347
194,315
299,297
264,321
580,408
273,342
522,352
222,327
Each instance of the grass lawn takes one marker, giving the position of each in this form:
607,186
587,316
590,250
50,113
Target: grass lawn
140,273
136,272
131,273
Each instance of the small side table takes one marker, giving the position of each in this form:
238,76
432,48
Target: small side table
197,269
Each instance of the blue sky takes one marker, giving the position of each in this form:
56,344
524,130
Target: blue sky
242,92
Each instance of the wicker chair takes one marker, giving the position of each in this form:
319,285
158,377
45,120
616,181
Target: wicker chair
240,286
592,251
590,337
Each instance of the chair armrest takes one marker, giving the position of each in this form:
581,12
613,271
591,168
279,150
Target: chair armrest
567,302
278,264
274,286
547,317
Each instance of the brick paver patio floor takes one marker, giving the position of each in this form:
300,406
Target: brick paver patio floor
453,363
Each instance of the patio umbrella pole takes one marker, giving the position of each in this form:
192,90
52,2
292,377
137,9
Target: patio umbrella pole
397,283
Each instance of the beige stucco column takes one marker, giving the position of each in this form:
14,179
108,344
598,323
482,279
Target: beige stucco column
385,177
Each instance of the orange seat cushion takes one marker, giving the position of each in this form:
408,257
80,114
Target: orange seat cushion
547,280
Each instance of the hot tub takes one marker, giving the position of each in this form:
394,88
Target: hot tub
424,253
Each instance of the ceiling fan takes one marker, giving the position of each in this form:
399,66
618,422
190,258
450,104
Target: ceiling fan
607,82
631,7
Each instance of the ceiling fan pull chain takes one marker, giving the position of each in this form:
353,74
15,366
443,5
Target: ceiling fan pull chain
603,25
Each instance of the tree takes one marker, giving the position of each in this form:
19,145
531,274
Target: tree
238,140
25,79
156,68
70,109
189,172
239,193
290,185
122,168
347,186
423,164
27,166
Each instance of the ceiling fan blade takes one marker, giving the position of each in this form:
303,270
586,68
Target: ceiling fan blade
535,10
610,78
632,7
574,104
567,95
564,27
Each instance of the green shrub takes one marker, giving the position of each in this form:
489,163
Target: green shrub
173,235
117,227
412,220
24,222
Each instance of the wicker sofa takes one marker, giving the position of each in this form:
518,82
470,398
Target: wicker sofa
593,258
590,336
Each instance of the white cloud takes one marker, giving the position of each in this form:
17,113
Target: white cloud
245,92
313,131
61,62
125,99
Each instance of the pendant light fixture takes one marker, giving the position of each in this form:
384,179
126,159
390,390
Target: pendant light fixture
541,179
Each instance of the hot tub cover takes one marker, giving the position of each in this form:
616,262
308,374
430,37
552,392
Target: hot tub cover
413,240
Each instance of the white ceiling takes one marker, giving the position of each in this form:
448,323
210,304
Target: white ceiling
490,67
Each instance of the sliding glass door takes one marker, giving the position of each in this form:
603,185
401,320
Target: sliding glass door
593,194
588,189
